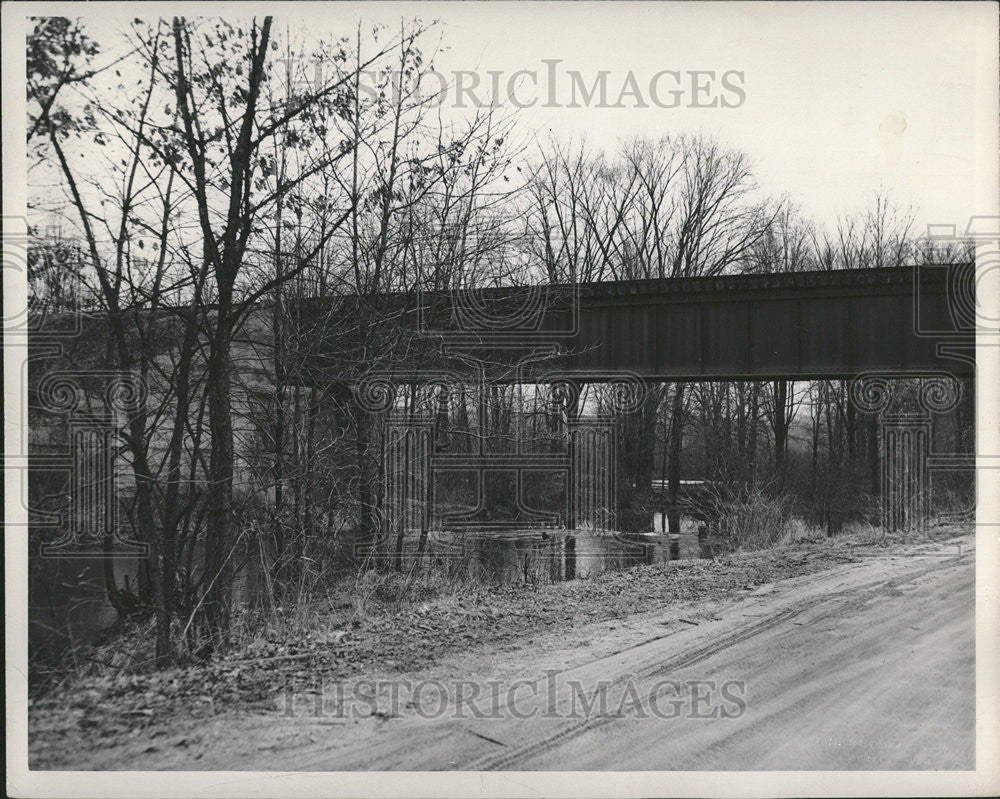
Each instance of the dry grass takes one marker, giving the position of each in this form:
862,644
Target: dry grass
752,518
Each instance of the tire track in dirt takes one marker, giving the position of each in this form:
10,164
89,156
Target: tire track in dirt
844,601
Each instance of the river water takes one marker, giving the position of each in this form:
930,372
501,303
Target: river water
533,556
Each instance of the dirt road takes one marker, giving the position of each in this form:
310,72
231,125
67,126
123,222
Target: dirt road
867,677
869,665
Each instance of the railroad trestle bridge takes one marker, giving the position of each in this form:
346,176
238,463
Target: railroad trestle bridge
870,327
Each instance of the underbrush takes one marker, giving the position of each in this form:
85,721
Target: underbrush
754,517
374,602
750,517
391,591
344,606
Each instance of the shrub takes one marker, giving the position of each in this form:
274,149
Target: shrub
749,516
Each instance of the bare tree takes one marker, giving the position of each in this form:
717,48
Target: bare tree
672,207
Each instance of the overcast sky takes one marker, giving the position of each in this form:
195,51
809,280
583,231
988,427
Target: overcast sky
840,99
833,101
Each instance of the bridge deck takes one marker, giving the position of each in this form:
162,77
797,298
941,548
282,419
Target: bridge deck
798,325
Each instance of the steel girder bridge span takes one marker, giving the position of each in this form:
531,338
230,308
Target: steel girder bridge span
871,327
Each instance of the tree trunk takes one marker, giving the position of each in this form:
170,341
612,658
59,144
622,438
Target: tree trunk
647,439
674,469
754,410
172,500
219,539
369,528
780,429
852,433
873,456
